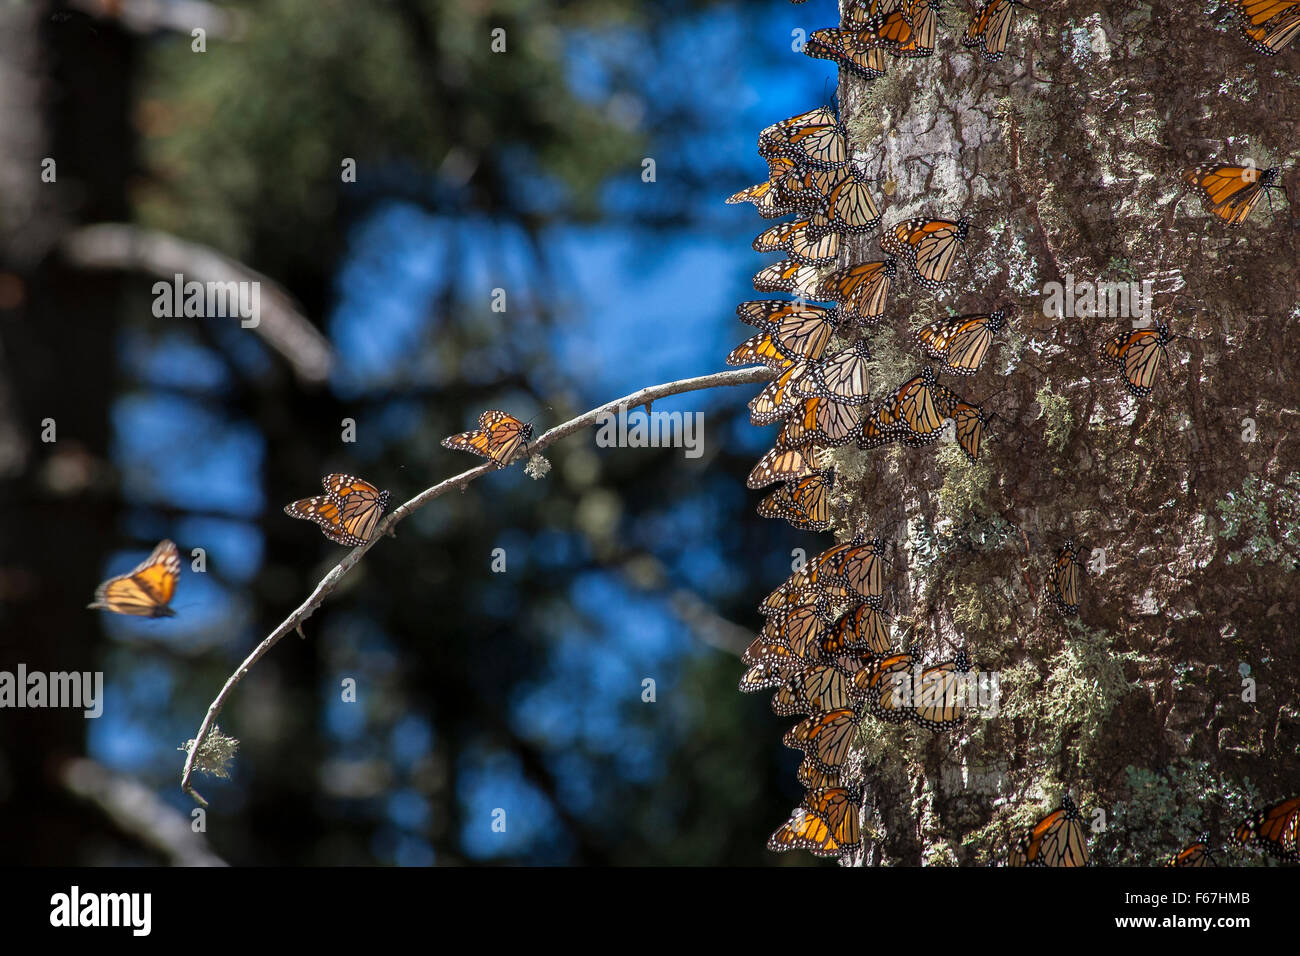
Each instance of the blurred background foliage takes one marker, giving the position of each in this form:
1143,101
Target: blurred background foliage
476,171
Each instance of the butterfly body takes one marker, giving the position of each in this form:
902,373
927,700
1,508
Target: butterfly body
146,590
347,513
499,437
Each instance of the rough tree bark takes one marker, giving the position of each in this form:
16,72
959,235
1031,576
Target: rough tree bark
1066,157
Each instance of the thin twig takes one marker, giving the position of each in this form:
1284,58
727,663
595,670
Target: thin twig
293,622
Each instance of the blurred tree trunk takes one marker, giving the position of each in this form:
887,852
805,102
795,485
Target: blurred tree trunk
1066,157
56,337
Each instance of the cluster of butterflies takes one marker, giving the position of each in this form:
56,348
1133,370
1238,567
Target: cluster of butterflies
1060,838
822,398
906,28
348,514
825,649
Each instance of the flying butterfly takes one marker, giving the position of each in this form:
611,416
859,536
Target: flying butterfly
989,27
1058,840
960,343
1231,192
498,437
347,513
1275,828
147,589
825,824
860,291
928,246
1137,353
1063,584
804,503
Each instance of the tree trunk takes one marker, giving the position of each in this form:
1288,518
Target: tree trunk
1066,156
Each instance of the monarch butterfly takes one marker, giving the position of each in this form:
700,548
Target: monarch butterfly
347,513
820,421
802,333
799,242
767,197
969,421
825,824
804,503
497,437
1231,192
1059,839
1198,854
874,433
147,589
788,276
1276,828
928,246
856,565
861,629
848,207
825,737
861,290
882,686
854,49
794,331
783,463
989,26
861,11
1063,585
821,116
842,377
1138,354
818,143
918,409
909,32
781,396
1271,25
939,702
810,777
788,596
820,688
769,666
795,322
800,629
960,343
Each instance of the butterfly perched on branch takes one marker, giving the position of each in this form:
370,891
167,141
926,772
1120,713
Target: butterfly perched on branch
349,511
499,437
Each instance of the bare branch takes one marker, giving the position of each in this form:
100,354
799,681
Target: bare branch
281,325
746,376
